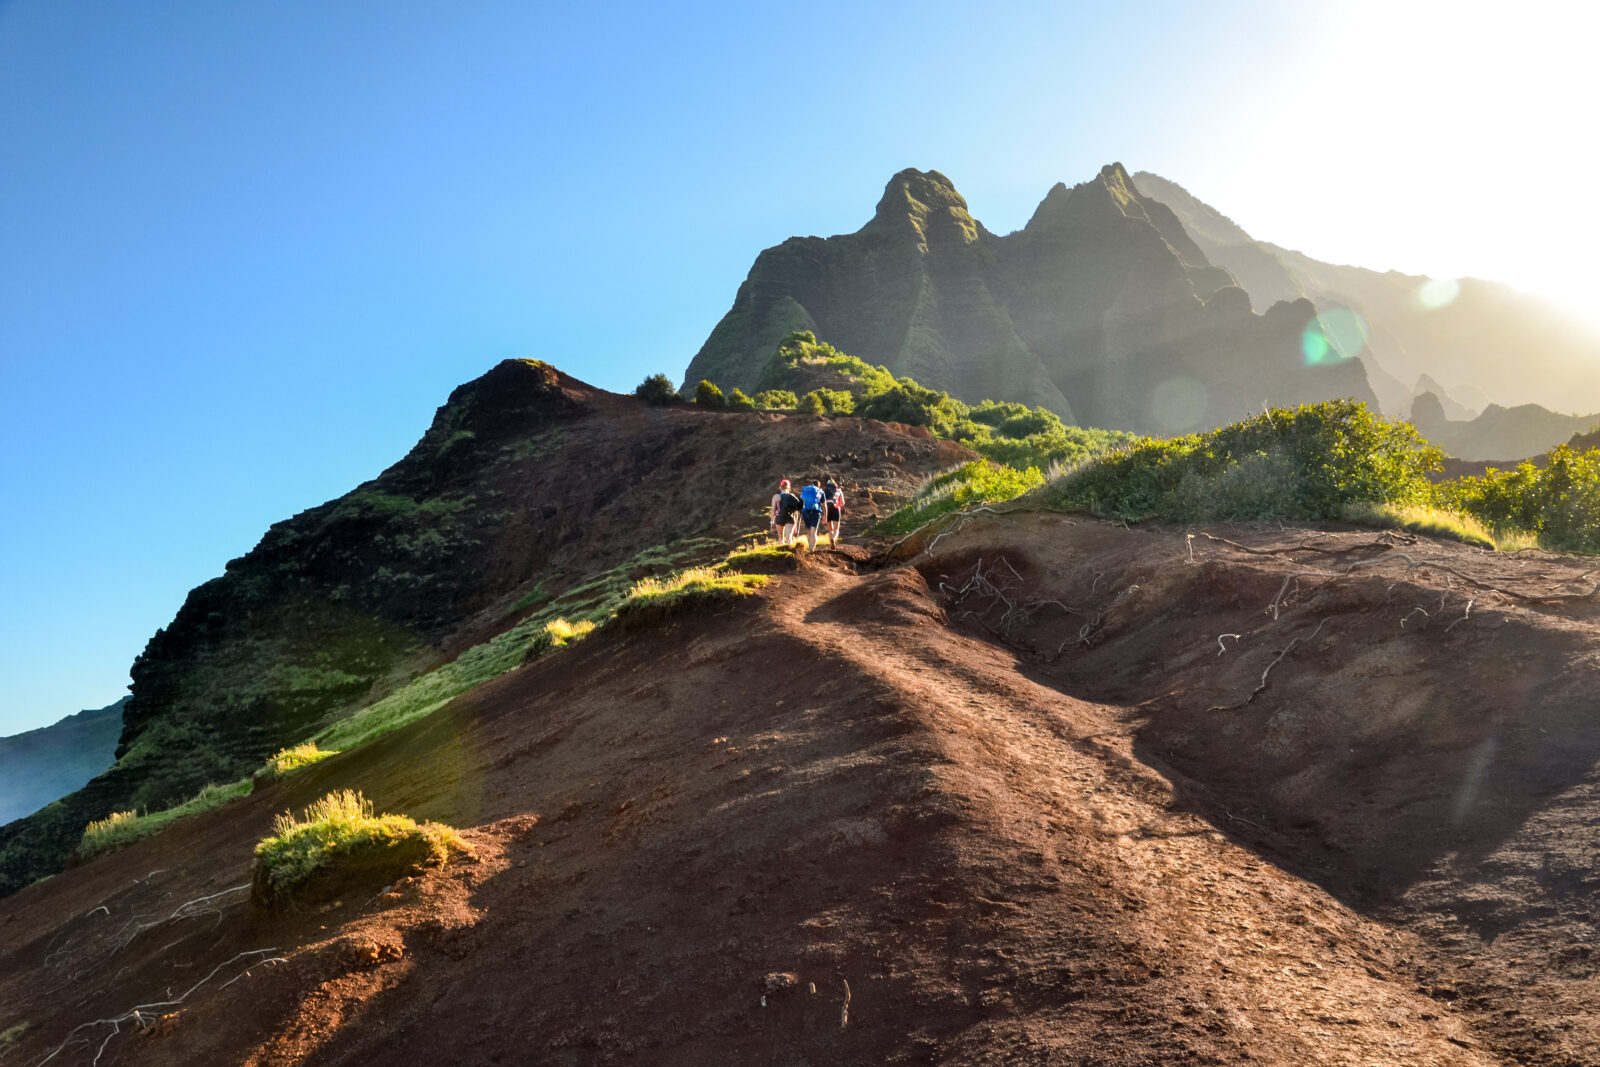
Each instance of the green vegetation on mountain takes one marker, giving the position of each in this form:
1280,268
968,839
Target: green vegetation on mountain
835,383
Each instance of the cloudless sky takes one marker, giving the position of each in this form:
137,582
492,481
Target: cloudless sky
246,249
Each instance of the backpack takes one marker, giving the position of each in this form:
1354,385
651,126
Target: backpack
811,498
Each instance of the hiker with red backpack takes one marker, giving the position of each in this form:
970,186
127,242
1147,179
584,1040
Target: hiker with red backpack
811,505
835,501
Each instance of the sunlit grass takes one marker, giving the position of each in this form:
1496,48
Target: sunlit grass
125,827
285,760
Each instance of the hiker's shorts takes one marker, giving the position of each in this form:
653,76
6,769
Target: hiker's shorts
811,518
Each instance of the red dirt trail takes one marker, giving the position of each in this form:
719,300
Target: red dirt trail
919,815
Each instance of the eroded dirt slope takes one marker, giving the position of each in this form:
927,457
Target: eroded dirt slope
985,830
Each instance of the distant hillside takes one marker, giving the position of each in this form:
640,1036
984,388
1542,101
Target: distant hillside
1101,309
42,765
1497,433
1490,342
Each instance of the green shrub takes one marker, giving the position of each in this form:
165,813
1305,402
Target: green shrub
737,401
708,395
656,390
1559,504
1309,462
285,760
338,842
776,400
125,827
826,402
972,484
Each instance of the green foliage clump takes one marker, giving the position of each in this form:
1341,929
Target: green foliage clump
776,400
1560,503
801,359
737,401
1309,462
972,484
656,390
125,827
910,403
285,760
826,402
709,395
1009,433
339,840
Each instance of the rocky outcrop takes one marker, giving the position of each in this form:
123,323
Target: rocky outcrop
1102,309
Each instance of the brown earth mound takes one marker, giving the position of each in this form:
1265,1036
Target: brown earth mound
1013,802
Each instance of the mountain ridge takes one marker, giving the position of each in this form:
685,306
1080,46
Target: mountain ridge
1101,309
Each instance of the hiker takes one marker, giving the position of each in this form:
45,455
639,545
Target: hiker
835,498
785,505
811,504
773,529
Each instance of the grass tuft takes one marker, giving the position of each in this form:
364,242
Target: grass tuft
125,827
292,759
651,598
338,841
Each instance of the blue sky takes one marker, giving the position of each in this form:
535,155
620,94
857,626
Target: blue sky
249,247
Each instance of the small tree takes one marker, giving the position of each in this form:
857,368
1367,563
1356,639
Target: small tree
737,401
708,395
656,390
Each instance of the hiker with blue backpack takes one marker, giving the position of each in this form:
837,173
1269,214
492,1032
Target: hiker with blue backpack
811,504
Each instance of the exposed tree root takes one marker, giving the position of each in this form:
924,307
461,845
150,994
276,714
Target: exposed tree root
137,1014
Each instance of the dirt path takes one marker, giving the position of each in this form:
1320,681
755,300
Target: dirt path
827,824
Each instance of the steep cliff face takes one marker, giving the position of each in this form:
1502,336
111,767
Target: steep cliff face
1102,309
527,480
1478,338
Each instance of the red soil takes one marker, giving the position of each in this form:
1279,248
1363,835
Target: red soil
1037,821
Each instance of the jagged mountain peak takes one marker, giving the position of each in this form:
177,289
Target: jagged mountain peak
927,205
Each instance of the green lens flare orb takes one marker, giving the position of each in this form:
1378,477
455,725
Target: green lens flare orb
1333,337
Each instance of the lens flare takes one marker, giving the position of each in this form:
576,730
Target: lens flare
1178,404
1333,337
1472,780
1436,293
